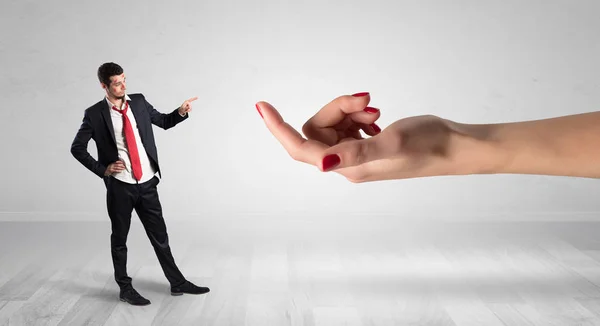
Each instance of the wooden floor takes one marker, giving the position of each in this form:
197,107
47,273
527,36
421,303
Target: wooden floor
451,274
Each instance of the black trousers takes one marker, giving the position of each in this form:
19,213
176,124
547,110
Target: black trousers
121,199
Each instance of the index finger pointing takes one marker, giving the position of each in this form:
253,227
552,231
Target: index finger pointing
192,99
299,148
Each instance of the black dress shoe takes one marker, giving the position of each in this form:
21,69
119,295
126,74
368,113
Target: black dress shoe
131,296
188,287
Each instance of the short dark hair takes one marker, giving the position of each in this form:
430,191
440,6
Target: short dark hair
107,70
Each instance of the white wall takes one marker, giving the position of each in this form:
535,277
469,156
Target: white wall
471,61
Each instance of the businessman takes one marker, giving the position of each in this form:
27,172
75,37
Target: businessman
121,126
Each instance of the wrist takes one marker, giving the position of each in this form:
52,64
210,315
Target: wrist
478,149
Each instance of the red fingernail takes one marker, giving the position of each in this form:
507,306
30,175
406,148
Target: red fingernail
371,110
330,161
375,127
258,109
360,94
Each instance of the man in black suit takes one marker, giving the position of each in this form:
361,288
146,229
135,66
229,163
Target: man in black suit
121,126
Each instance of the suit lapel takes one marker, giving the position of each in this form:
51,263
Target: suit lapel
108,120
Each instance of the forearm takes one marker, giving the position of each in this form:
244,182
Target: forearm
561,146
166,120
89,162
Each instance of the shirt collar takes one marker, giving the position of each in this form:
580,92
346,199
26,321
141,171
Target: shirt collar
110,104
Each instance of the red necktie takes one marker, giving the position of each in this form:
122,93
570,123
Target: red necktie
130,143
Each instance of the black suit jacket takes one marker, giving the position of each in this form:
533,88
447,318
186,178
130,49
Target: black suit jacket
97,125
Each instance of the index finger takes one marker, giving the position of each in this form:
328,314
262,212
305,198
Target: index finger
192,99
299,148
335,111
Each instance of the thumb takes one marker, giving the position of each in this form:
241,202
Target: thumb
357,152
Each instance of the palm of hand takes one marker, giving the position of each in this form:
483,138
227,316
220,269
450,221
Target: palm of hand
409,147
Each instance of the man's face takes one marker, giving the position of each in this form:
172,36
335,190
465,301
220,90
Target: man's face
117,86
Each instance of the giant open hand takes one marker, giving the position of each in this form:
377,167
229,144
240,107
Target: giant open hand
410,147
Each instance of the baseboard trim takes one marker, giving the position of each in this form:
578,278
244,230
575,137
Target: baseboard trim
311,217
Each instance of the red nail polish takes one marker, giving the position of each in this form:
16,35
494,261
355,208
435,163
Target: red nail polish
330,161
258,109
360,94
370,109
375,127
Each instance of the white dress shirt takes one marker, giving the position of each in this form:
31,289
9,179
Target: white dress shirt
117,120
